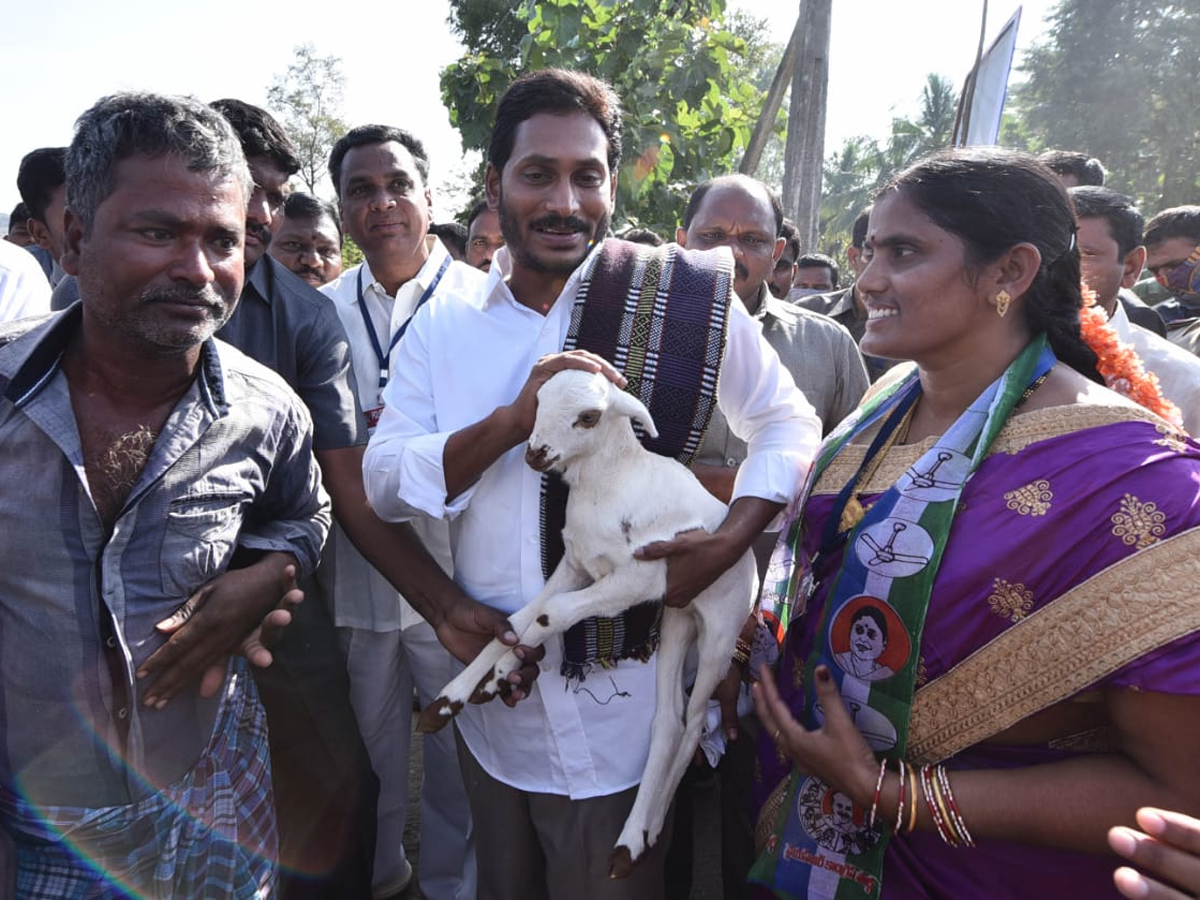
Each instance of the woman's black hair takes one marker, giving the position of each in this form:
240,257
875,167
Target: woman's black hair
993,199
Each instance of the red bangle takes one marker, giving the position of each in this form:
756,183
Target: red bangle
878,790
931,800
956,818
900,800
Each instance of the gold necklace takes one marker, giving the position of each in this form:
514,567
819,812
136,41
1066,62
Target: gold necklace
853,511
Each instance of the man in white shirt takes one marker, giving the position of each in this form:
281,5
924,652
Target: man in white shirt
24,290
1111,257
380,175
552,779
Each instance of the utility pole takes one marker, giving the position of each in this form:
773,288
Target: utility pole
804,153
771,104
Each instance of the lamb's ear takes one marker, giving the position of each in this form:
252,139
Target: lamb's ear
628,405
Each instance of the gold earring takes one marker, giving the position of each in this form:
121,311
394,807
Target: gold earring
1002,301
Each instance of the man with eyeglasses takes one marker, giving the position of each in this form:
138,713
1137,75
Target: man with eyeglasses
1172,242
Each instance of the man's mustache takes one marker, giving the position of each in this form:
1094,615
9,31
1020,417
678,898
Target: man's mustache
262,232
561,223
195,296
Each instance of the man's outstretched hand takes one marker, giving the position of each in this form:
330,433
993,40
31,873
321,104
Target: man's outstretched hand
239,611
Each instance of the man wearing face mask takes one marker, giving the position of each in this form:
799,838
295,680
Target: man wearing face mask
816,273
1172,242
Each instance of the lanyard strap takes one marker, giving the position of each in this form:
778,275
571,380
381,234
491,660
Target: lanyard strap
382,357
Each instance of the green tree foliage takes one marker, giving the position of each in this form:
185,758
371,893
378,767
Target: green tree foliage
492,27
687,83
308,99
1120,80
862,166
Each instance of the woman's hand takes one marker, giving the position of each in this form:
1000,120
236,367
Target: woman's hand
836,753
1170,848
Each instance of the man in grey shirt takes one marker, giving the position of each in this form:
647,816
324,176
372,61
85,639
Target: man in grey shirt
740,213
144,459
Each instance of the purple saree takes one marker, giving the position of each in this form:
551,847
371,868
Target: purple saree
1069,567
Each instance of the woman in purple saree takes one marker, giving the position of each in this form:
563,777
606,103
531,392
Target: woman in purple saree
994,649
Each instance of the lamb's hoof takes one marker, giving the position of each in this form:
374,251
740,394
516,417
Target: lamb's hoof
484,692
620,864
435,716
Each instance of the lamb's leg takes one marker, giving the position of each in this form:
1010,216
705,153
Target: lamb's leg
477,678
717,621
640,832
626,586
716,655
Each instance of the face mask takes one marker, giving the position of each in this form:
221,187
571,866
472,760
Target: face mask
1184,280
796,293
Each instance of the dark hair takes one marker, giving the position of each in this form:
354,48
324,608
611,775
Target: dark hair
558,92
478,208
638,235
1178,221
451,233
300,205
874,615
42,172
1124,219
364,135
743,181
1085,169
140,124
994,199
259,133
791,236
820,261
18,216
858,231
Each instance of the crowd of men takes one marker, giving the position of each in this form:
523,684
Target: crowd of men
355,436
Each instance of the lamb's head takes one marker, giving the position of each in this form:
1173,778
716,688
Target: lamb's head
577,412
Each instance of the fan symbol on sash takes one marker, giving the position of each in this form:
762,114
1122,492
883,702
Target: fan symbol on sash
929,479
941,478
894,548
875,727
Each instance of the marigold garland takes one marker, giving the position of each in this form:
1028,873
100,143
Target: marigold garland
1119,363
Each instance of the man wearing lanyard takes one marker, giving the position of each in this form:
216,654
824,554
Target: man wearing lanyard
380,175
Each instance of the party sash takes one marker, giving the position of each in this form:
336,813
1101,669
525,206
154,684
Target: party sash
820,846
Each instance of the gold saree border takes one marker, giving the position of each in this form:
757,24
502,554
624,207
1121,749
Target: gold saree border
764,825
1132,607
1018,433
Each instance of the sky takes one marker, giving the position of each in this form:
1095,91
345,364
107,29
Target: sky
57,59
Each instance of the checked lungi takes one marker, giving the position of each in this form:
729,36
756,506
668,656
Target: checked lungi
211,834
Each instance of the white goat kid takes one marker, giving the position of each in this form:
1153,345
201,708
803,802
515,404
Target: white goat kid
622,498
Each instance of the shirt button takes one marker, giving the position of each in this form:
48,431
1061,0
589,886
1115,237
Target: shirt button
110,642
123,713
731,462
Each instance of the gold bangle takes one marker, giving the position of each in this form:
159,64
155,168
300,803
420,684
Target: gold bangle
943,808
912,811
